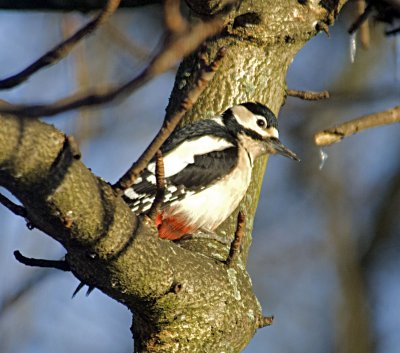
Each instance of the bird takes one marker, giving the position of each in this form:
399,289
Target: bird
208,166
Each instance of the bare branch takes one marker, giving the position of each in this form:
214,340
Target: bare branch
57,264
125,43
160,180
364,28
308,95
173,18
361,19
62,49
170,122
392,32
235,246
74,147
174,49
79,287
339,132
266,321
68,5
14,208
25,288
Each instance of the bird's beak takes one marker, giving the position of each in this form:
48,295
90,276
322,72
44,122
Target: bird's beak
277,147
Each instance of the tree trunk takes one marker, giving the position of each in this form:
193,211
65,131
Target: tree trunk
185,299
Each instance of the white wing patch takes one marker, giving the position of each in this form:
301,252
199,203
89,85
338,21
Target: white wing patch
131,194
178,158
219,121
151,179
140,203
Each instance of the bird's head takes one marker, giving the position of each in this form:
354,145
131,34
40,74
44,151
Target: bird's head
256,127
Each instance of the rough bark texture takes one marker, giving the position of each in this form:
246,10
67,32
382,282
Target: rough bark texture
185,299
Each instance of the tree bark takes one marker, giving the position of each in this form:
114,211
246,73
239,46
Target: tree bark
184,297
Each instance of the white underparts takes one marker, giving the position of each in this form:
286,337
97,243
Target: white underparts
208,208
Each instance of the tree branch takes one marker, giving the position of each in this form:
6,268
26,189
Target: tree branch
8,301
170,122
363,16
235,246
164,280
173,19
266,321
14,208
61,50
338,133
308,95
176,47
61,265
68,5
364,33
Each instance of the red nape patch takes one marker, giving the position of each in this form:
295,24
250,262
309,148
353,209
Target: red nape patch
171,228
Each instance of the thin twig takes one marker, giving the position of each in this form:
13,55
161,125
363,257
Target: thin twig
125,43
74,147
339,132
308,95
170,122
14,208
78,289
160,180
61,50
80,286
364,28
361,19
392,32
322,26
173,19
235,245
8,301
174,49
57,264
266,321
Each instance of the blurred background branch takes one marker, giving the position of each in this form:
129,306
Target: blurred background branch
68,5
339,132
62,49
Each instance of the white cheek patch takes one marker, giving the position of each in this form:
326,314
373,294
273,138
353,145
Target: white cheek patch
249,121
245,117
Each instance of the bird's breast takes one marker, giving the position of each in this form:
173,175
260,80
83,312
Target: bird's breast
208,208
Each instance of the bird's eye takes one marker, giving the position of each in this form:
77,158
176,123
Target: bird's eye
261,123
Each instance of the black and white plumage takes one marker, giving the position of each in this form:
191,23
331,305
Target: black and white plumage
208,166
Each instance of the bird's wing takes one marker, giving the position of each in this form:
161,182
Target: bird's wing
184,154
206,169
189,167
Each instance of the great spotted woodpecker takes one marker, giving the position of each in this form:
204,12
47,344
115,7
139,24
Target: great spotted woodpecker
208,166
